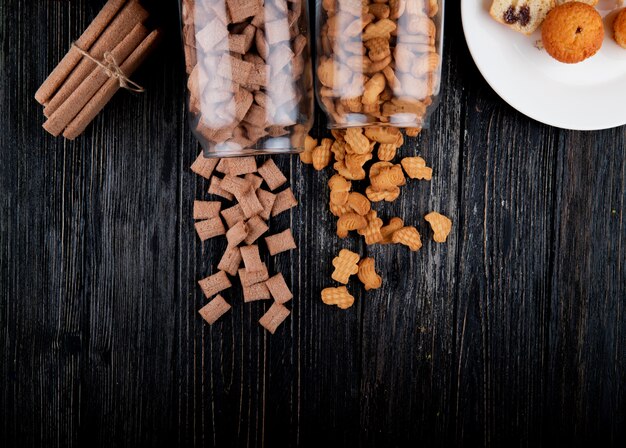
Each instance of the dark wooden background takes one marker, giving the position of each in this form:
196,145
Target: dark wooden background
512,334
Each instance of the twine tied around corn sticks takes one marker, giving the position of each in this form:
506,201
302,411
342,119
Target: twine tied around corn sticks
112,70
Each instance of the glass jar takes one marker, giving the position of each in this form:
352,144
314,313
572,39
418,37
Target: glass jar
379,61
249,85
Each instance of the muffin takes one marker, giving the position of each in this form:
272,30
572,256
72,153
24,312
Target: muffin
619,28
523,16
589,2
572,32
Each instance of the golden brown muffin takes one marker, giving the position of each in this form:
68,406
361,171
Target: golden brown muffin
572,32
619,28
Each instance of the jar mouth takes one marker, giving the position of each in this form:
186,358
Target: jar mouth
250,152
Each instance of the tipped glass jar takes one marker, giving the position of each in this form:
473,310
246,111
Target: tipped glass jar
249,75
379,61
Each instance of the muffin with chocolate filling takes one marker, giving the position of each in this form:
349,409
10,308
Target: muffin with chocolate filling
524,16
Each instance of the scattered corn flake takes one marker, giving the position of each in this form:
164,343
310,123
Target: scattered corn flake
210,228
237,233
231,260
215,283
441,225
279,289
215,309
280,242
256,228
274,316
285,200
206,209
272,175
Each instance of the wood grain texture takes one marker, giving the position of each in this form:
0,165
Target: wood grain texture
511,334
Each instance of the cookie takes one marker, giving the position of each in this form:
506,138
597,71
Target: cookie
572,32
619,28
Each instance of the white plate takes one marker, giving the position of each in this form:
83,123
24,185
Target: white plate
586,96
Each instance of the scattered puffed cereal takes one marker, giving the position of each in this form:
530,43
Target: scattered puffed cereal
441,225
358,203
251,258
307,155
206,209
210,228
388,230
408,236
280,242
215,283
237,233
213,310
415,168
258,291
348,222
204,166
359,144
285,200
231,260
272,175
338,296
274,317
321,154
345,265
256,228
339,189
233,215
371,231
279,289
413,132
367,274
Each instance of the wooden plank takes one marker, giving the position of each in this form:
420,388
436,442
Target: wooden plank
408,341
41,251
504,265
315,371
587,347
92,244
